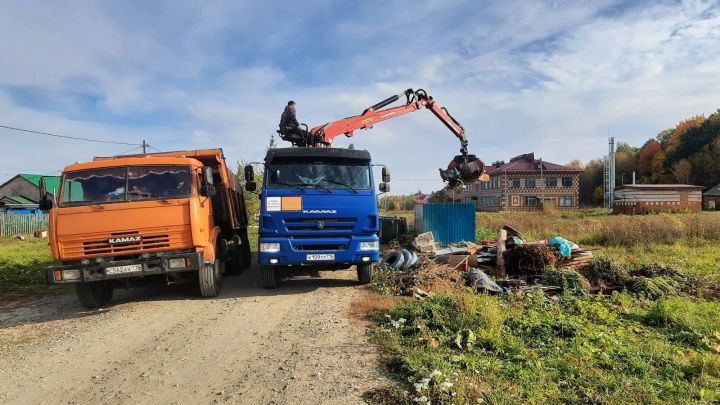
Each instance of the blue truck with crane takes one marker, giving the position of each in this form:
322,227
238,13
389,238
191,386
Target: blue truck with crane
318,204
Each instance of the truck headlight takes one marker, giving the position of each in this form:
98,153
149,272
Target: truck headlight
370,245
269,247
69,275
176,263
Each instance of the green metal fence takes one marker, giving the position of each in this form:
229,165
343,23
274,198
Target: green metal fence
22,224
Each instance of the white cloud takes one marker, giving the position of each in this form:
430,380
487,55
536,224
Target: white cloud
548,77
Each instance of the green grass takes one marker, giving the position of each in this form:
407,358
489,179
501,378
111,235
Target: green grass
697,256
22,263
591,349
577,348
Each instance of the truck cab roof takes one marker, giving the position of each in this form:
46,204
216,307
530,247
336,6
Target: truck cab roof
209,157
309,153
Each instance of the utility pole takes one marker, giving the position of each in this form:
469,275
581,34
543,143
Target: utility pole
144,146
542,181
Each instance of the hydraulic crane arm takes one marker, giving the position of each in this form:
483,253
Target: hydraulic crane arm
415,100
463,168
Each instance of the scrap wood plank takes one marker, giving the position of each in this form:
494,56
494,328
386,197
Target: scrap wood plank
456,262
500,257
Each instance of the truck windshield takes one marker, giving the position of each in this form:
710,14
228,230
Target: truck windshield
353,176
119,184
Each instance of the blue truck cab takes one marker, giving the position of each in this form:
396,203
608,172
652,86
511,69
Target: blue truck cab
318,210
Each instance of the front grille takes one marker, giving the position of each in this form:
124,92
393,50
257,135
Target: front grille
97,244
315,224
311,248
147,242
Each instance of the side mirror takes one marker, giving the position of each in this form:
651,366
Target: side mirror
249,174
250,186
207,190
207,176
384,187
385,175
45,203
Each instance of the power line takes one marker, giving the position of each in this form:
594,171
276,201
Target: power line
77,138
129,150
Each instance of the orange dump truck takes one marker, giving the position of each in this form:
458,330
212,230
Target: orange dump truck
125,220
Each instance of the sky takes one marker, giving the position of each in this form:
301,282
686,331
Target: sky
549,77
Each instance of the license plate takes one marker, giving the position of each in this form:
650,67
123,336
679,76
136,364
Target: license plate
318,257
131,268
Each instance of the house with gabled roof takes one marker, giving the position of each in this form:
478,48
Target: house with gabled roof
711,199
22,192
526,184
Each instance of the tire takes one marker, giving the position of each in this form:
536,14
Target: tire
407,256
245,249
269,277
411,262
364,272
394,260
210,277
241,256
94,295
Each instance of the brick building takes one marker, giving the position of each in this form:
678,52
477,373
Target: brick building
711,199
646,198
526,184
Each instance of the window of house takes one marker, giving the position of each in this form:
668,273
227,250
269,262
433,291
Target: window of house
516,183
566,201
530,183
567,181
531,201
551,182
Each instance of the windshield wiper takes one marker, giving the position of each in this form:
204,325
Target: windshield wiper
298,185
340,183
319,185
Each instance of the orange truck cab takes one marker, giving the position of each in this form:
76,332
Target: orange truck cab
124,220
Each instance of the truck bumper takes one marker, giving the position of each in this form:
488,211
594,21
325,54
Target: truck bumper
163,263
290,255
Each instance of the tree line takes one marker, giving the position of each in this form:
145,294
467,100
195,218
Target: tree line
688,153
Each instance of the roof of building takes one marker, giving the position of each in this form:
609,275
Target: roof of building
660,187
17,201
51,182
528,163
715,191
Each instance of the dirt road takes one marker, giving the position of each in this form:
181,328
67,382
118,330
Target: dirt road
295,344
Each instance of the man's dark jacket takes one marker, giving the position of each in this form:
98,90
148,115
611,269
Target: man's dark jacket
288,120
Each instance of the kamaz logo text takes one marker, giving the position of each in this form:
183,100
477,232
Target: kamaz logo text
126,239
319,211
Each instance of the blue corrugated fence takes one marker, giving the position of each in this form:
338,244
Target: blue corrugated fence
449,223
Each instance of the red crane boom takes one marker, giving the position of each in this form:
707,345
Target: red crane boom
464,168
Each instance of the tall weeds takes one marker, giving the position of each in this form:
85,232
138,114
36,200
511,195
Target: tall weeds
610,230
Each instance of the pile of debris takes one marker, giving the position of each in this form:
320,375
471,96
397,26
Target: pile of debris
509,263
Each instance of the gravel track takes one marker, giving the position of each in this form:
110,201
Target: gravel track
295,344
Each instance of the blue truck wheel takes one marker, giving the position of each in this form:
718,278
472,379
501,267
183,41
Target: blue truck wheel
269,276
364,272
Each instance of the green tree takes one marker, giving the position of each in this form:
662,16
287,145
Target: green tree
682,170
705,167
252,199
